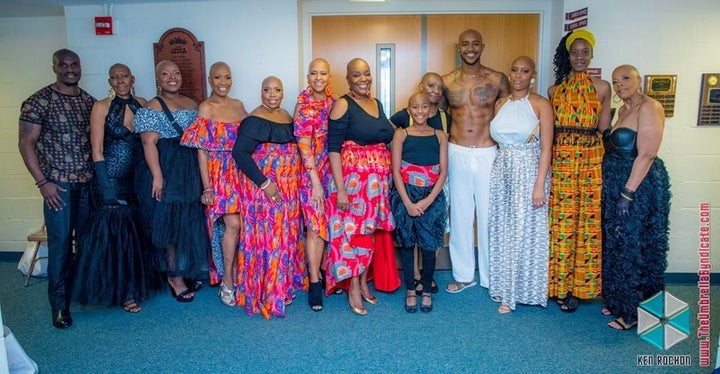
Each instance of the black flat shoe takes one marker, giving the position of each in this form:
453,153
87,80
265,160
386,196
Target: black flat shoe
570,304
426,307
410,297
62,318
433,287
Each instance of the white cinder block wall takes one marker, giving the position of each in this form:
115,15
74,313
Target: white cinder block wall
671,37
272,38
25,66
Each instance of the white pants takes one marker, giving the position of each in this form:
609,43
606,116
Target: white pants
469,182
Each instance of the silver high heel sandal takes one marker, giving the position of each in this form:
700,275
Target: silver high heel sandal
227,296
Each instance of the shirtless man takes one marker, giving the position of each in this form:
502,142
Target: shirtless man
471,92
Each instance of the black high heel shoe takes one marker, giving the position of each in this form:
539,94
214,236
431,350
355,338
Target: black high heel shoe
181,297
322,278
337,291
315,296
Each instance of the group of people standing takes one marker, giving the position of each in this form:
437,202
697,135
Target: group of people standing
564,206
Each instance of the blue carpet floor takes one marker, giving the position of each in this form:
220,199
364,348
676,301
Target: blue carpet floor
463,334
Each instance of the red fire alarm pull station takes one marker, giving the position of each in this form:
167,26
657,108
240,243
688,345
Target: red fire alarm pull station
103,25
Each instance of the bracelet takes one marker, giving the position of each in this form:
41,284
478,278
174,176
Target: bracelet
265,184
207,190
311,167
627,194
41,182
626,197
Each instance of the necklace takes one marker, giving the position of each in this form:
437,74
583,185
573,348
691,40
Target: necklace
268,109
358,97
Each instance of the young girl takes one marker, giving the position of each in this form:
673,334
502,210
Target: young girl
419,162
432,85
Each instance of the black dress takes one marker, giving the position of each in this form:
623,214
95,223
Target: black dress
176,223
635,247
111,266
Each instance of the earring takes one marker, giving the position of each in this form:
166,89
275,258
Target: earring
328,91
532,82
111,93
132,91
158,89
616,98
309,90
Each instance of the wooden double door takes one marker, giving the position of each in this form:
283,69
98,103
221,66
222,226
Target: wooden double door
422,43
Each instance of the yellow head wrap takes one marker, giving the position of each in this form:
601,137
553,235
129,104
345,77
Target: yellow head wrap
580,34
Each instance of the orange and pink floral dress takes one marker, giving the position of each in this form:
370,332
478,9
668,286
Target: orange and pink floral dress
311,122
218,139
272,254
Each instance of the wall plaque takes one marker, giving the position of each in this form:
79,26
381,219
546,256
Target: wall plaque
709,110
662,89
181,47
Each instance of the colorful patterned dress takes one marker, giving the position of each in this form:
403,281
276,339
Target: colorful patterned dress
218,139
312,122
272,255
366,171
576,187
357,233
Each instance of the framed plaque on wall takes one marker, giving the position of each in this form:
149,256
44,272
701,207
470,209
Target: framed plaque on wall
181,47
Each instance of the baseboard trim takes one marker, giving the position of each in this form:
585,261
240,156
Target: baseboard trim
443,263
10,256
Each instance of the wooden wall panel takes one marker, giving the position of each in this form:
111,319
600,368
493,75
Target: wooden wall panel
339,39
506,36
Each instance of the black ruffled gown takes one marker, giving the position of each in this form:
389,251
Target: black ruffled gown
635,247
112,254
